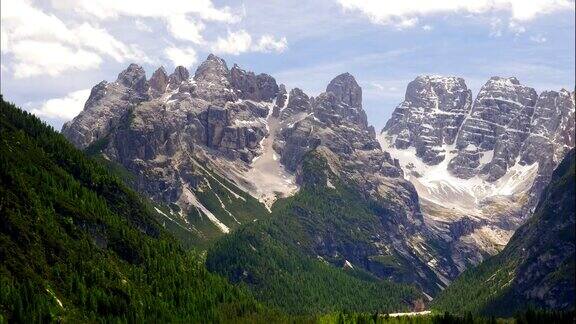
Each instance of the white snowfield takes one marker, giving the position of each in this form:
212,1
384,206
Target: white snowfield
446,199
267,175
435,183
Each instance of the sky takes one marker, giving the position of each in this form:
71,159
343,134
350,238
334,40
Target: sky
54,51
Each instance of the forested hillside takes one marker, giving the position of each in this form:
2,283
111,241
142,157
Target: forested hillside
277,257
537,267
77,245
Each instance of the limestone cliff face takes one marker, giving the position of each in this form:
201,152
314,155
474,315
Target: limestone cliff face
430,116
449,179
479,166
536,268
171,130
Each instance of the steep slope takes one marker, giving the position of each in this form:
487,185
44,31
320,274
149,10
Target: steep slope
447,182
206,147
76,245
309,257
184,139
479,167
354,208
537,267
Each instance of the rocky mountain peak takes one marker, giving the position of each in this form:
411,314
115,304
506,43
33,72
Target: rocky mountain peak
133,77
346,90
213,69
488,159
498,124
250,86
507,89
430,116
159,81
434,92
180,74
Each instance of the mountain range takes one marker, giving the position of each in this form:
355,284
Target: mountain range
450,177
301,201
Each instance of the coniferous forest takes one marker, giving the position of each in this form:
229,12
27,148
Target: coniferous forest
77,245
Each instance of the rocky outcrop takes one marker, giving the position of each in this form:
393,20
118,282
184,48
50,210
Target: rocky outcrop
499,122
479,168
106,105
158,82
333,125
551,137
179,75
249,86
430,116
166,130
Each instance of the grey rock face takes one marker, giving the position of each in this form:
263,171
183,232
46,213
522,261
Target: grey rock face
249,86
157,128
334,126
134,78
346,90
281,98
107,103
180,74
298,102
500,121
213,81
158,82
430,116
503,147
551,137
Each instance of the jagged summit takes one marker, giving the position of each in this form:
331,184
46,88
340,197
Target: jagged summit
479,166
511,80
134,77
346,90
242,132
430,116
180,74
213,69
159,81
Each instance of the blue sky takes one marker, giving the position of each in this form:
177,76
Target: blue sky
48,67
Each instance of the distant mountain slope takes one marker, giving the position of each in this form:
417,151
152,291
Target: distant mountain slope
216,149
185,140
537,267
297,259
479,164
76,245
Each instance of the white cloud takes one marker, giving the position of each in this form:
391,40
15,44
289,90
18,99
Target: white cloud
240,41
64,108
142,26
267,43
101,41
112,9
378,86
495,27
41,43
183,18
181,56
427,27
407,23
51,58
397,12
183,28
539,38
236,43
516,28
